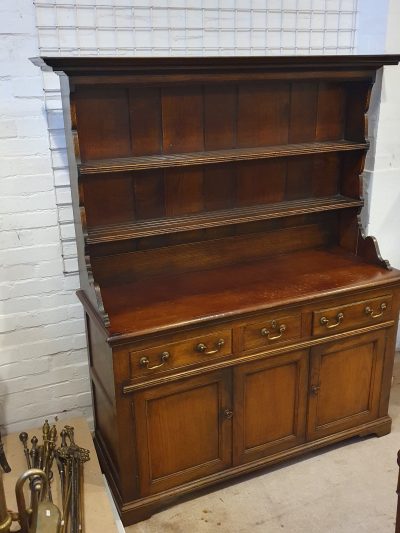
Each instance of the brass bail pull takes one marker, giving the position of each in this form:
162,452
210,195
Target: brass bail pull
369,310
325,321
202,348
145,361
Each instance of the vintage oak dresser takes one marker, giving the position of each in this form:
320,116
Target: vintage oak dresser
236,314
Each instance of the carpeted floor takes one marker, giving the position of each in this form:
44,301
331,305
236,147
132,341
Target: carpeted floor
348,488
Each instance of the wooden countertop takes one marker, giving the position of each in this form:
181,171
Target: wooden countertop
195,297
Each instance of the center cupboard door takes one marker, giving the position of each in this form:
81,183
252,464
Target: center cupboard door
345,383
270,405
184,430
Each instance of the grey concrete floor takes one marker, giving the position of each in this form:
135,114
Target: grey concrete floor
346,488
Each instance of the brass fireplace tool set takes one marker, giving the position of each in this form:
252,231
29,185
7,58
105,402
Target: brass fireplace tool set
43,516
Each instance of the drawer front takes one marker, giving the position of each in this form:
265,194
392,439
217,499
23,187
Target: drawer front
353,315
182,353
271,331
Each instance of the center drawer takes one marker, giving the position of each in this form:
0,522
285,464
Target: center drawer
352,315
271,330
182,353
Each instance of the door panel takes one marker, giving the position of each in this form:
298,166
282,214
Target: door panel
270,405
182,431
345,383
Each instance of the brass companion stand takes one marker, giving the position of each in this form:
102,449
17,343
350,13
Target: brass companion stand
5,515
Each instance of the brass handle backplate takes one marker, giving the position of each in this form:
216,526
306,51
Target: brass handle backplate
370,312
202,348
265,332
228,414
144,361
325,321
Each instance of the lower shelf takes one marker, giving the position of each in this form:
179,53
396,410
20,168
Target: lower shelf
195,297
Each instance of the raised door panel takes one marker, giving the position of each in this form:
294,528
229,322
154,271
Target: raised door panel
269,405
345,384
183,431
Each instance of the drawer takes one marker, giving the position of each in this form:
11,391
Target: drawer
353,315
270,331
182,353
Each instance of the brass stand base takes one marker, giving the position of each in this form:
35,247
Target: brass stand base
5,526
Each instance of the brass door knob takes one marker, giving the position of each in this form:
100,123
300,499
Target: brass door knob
228,414
315,389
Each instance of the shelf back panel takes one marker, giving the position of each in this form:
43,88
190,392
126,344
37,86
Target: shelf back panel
132,121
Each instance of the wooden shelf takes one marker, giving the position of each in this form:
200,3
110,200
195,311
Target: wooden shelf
142,306
124,164
226,217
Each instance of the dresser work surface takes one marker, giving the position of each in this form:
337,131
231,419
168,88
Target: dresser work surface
236,314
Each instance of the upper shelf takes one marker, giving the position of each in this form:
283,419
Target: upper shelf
124,164
224,217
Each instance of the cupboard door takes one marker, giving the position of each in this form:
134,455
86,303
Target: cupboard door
270,399
345,383
184,431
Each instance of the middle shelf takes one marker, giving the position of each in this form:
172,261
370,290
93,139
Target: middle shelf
145,162
225,217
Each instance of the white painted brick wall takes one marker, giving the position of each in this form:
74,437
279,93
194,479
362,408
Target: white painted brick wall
43,362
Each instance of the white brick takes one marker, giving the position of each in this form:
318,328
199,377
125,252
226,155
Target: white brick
51,81
27,184
32,202
31,127
57,139
71,265
46,301
67,231
8,128
30,367
74,359
35,286
13,107
30,254
20,238
61,177
55,119
36,219
63,195
65,214
76,386
48,347
28,87
18,146
59,158
28,165
69,249
39,317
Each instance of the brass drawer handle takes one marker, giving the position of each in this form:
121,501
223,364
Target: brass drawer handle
369,311
144,361
202,348
267,333
325,321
